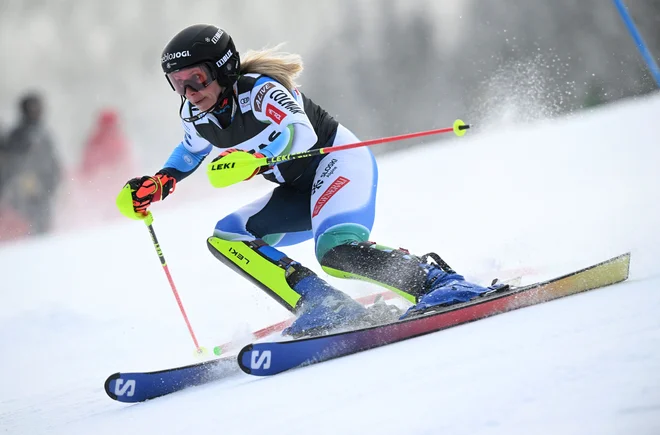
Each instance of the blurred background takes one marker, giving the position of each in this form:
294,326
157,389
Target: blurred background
84,105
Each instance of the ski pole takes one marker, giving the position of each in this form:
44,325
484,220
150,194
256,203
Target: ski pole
639,41
248,166
148,221
458,128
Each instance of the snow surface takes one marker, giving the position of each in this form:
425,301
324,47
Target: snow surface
546,198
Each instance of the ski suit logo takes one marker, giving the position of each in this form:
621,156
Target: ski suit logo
275,114
335,187
316,186
259,99
329,169
244,101
285,101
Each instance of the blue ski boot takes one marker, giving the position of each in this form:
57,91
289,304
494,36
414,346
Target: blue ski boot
321,307
444,287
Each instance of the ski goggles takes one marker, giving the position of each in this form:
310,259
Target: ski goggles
196,77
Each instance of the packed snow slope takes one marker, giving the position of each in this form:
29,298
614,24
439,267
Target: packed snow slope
546,199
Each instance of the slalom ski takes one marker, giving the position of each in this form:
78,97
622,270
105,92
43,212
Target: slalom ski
141,386
270,358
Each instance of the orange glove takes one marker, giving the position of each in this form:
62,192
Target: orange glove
148,189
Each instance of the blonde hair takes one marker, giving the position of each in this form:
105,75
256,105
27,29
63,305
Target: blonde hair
281,66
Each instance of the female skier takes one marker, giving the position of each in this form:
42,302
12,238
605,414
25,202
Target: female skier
253,109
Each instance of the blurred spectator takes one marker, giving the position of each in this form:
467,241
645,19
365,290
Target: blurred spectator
2,146
92,188
30,172
106,151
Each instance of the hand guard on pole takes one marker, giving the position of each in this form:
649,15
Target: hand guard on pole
233,166
137,195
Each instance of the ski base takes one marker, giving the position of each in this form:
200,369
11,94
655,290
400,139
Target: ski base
265,359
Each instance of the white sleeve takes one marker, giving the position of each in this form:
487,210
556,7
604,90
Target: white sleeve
272,103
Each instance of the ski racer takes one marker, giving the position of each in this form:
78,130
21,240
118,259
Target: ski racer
251,108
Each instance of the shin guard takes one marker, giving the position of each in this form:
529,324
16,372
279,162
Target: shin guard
294,286
260,263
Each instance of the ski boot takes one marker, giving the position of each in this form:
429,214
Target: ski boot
444,287
423,284
321,308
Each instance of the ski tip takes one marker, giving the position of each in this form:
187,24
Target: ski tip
241,355
625,260
109,384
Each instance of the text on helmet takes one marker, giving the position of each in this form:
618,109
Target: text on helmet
224,59
177,55
217,36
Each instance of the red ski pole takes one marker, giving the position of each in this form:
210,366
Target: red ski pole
248,166
458,128
148,222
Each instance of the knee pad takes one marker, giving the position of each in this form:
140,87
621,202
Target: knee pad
337,235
